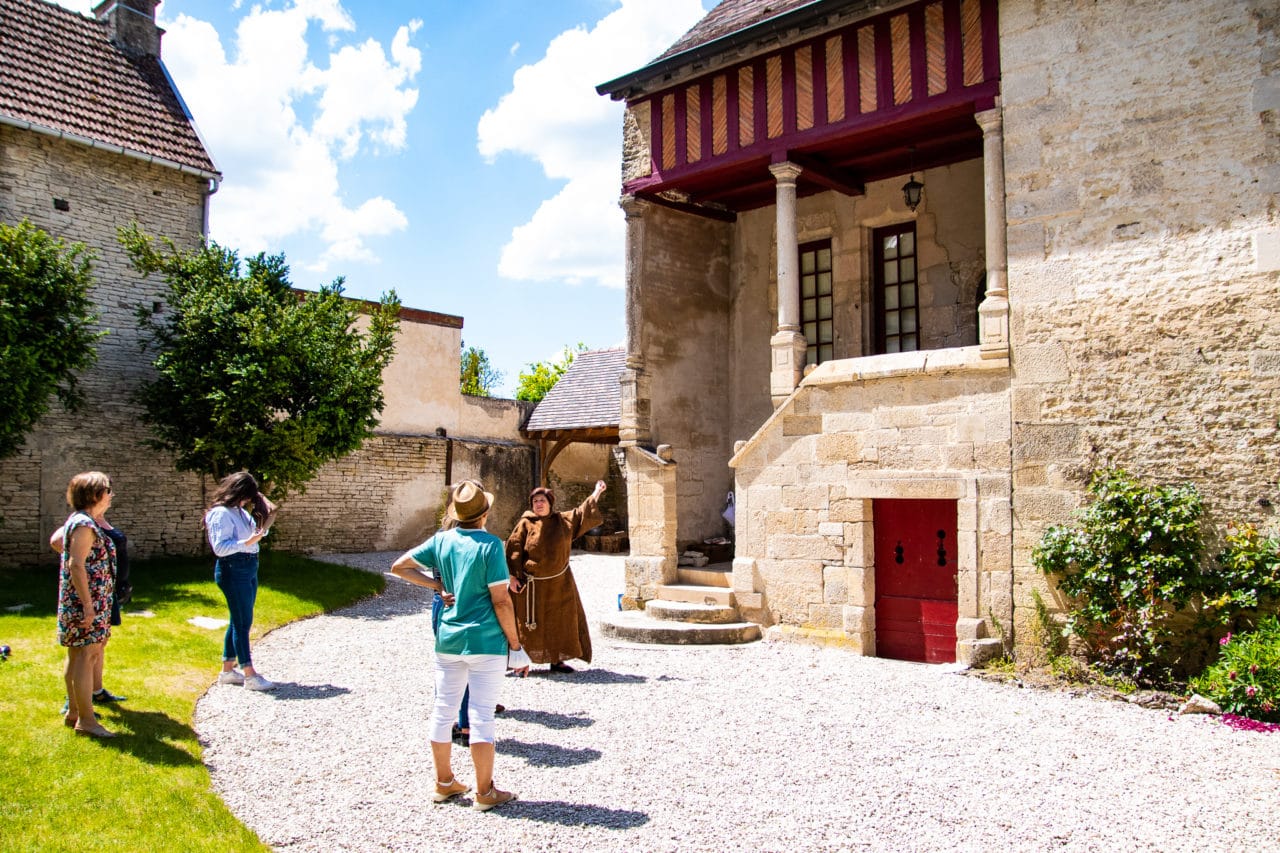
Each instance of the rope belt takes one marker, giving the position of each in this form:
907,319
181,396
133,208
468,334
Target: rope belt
530,609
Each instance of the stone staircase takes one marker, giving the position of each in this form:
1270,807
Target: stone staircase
697,610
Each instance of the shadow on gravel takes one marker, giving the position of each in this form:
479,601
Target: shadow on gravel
287,690
549,719
571,814
604,676
547,754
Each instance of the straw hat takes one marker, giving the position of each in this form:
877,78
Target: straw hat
469,501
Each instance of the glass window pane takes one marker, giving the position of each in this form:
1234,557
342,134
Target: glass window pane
811,332
811,356
806,262
809,310
909,343
825,331
891,298
908,269
824,308
891,246
909,320
824,283
909,243
826,352
806,285
908,295
891,272
824,259
891,345
891,323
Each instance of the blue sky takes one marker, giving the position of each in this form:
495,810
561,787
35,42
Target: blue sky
454,151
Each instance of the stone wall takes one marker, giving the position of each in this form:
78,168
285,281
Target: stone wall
685,341
905,426
104,191
1141,181
386,495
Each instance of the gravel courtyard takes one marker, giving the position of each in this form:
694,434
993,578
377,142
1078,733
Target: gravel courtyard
767,746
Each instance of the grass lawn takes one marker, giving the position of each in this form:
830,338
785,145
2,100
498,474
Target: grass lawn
145,790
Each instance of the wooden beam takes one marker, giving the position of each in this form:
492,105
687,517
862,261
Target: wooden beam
685,207
824,174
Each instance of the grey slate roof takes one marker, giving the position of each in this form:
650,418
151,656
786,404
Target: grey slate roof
729,17
587,396
59,70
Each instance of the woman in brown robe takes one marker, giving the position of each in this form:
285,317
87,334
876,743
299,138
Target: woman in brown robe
549,614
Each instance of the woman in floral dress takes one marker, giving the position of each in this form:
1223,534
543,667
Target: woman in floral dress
85,588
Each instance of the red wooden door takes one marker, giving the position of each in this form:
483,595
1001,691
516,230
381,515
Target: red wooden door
915,542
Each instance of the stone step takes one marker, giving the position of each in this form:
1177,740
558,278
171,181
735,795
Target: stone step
689,611
637,627
696,594
715,574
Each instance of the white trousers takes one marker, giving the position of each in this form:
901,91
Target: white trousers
454,674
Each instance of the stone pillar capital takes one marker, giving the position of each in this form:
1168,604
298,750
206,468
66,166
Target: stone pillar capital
785,172
632,207
991,121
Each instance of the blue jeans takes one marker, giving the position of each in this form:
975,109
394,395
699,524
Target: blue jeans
437,607
237,576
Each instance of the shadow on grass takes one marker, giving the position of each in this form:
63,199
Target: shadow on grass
149,736
547,754
549,719
571,814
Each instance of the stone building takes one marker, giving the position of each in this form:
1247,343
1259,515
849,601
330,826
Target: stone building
903,274
93,135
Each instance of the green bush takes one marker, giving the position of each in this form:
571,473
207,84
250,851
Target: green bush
1246,678
1129,565
1247,577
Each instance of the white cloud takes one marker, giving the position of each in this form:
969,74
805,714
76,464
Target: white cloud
554,116
279,121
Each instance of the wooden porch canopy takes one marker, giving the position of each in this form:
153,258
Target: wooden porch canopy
584,406
873,94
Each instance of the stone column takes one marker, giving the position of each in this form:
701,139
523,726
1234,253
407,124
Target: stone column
634,426
993,313
788,342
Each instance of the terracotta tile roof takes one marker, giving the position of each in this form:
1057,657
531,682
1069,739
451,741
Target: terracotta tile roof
729,17
58,70
587,396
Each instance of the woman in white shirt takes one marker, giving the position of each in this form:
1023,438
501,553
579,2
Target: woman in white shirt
237,520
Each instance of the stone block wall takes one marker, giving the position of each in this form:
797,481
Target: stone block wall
1141,179
104,191
907,426
386,495
684,338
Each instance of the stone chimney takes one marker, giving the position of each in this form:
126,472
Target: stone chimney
131,25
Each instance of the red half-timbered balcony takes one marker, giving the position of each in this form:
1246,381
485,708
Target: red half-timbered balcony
863,102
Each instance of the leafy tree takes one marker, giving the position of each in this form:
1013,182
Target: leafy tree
253,375
478,378
542,376
46,327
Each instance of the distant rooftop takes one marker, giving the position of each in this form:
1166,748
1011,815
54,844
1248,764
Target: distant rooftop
588,396
60,72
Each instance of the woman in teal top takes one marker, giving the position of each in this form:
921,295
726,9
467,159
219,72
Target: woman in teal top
477,629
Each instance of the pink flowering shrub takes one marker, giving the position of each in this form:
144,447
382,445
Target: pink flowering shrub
1245,681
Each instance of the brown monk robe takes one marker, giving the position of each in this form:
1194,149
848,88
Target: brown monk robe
549,614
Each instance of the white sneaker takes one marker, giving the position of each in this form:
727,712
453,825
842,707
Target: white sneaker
231,676
257,682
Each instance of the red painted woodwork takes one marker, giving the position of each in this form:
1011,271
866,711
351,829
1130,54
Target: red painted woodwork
897,108
916,598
